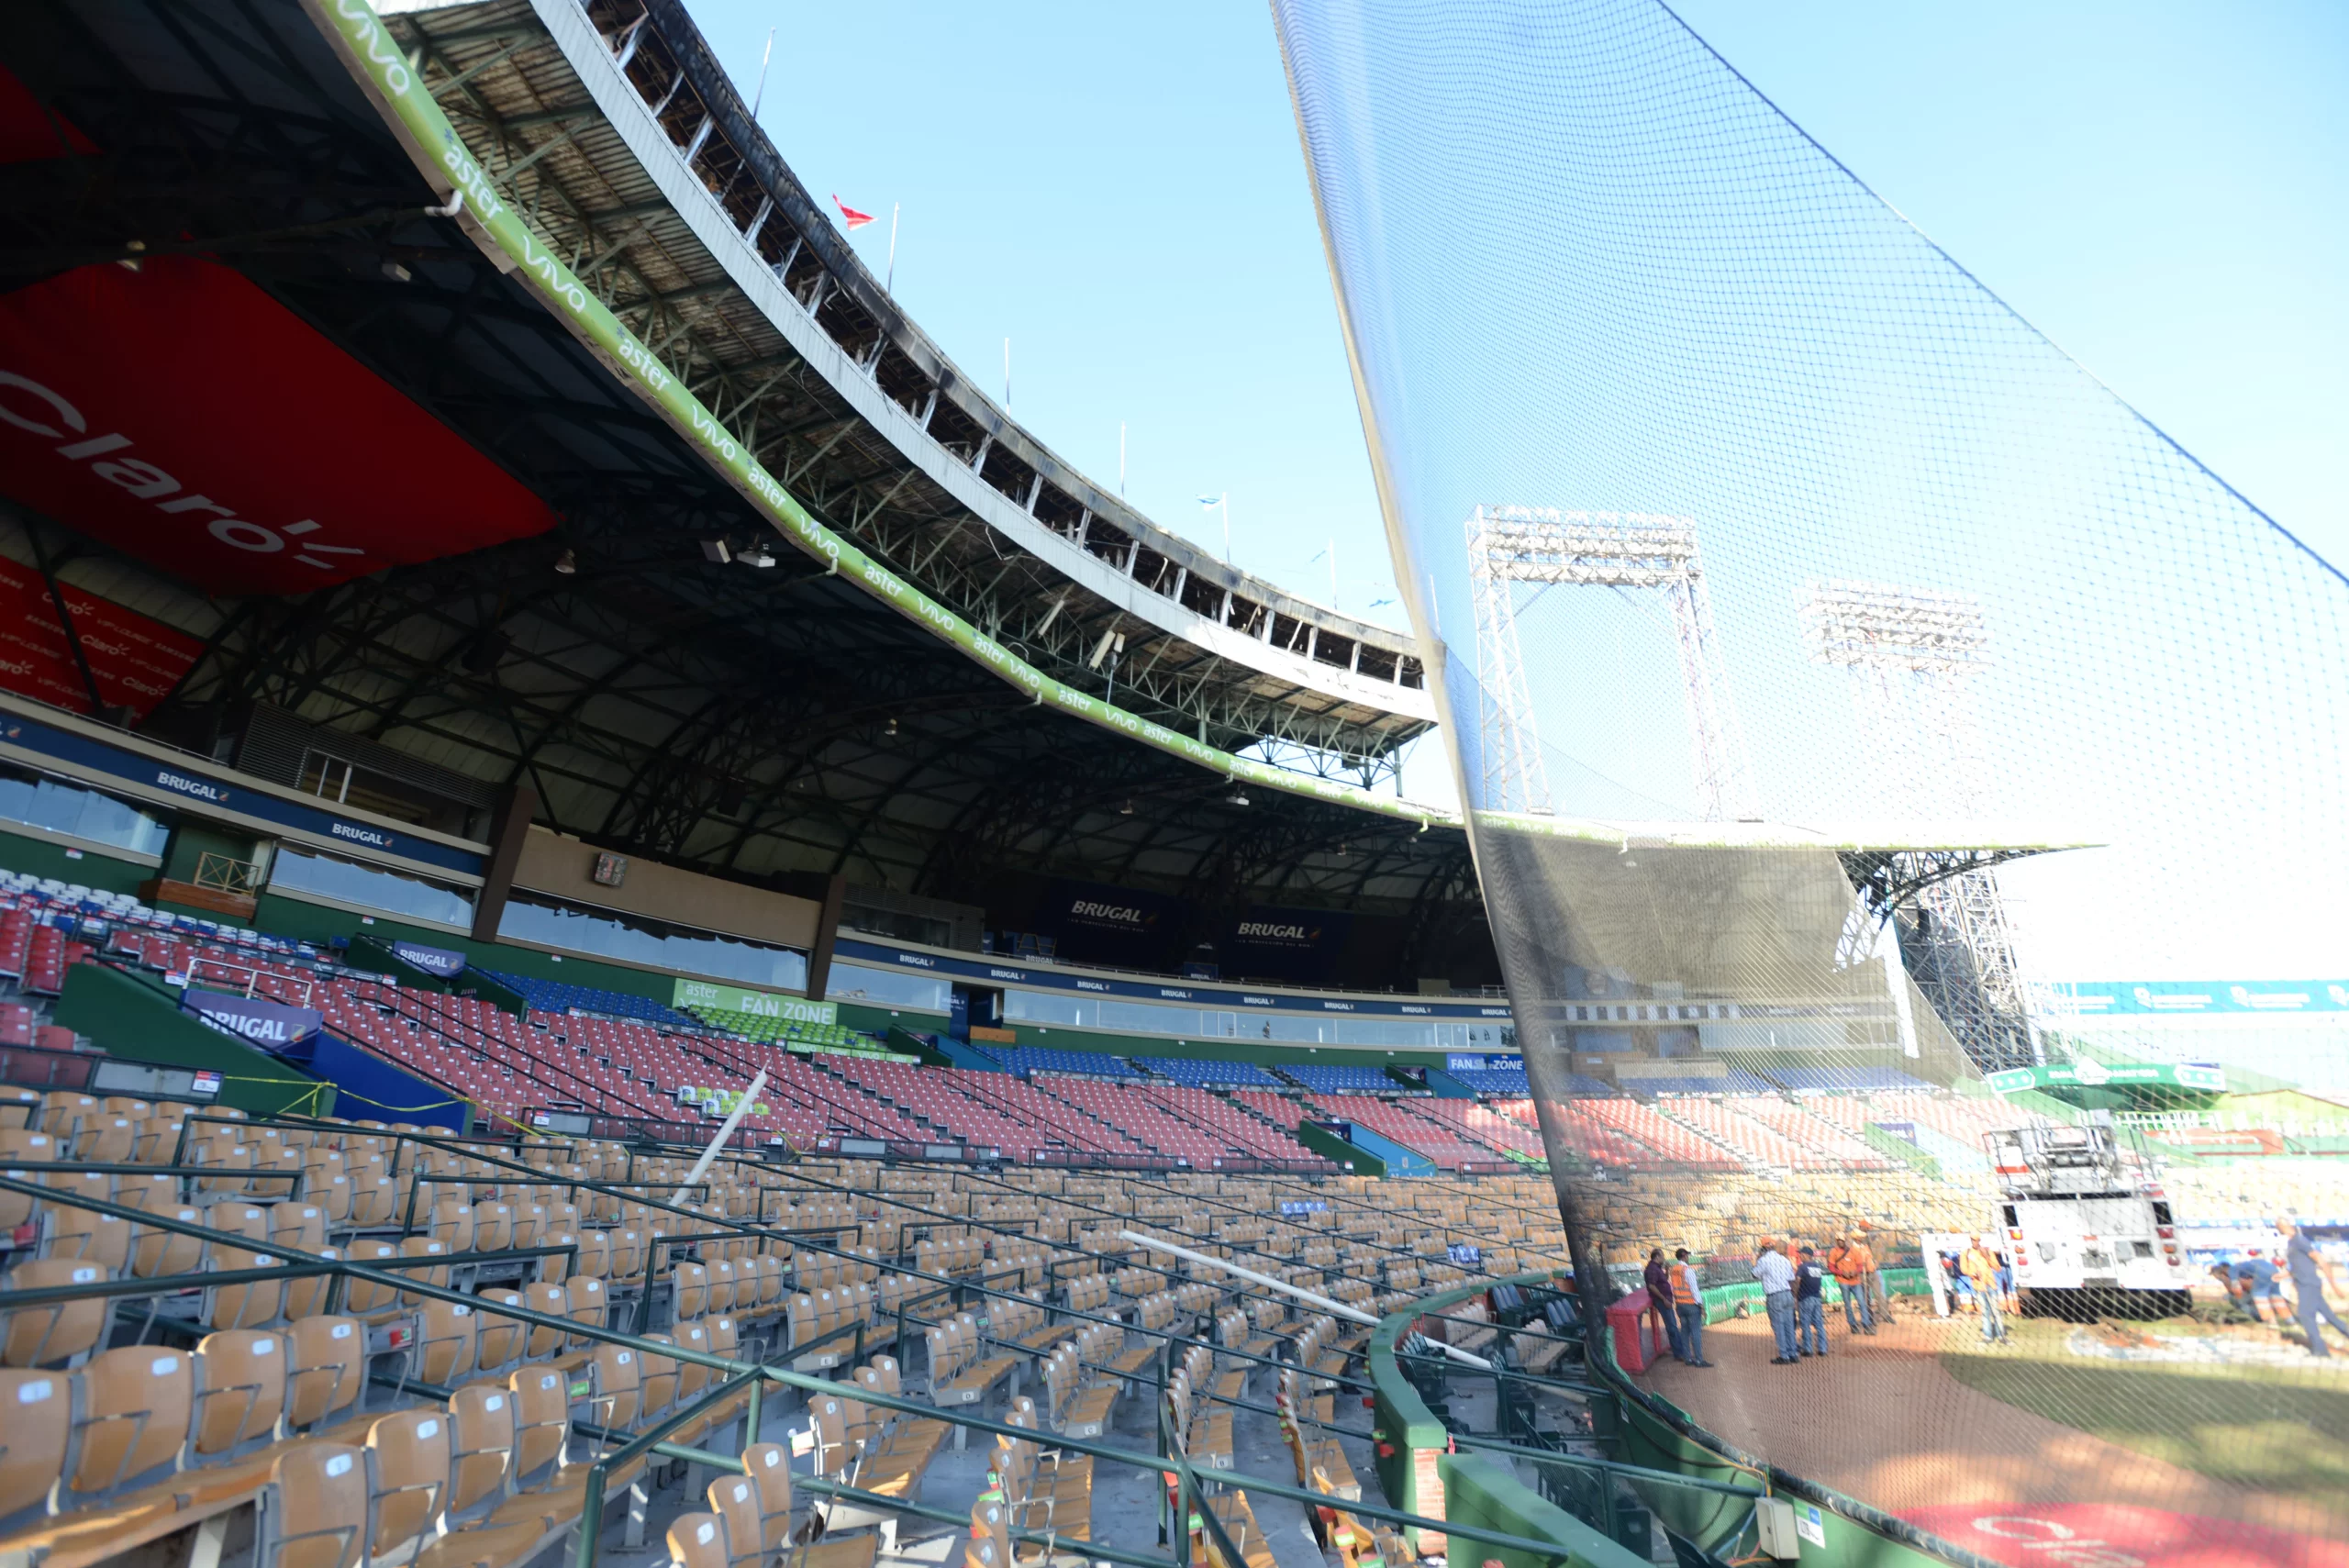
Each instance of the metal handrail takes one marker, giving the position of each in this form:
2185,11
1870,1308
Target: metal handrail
575,1186
377,1272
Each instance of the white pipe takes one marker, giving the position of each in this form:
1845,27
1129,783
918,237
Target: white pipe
1338,1307
726,1130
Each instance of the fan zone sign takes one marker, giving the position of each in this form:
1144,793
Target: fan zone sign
708,995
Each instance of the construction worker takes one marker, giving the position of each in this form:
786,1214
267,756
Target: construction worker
1980,1267
1688,1299
1850,1263
2310,1272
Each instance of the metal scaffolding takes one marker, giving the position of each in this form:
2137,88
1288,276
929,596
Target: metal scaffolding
1915,654
1508,545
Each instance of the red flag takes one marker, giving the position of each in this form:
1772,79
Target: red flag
855,219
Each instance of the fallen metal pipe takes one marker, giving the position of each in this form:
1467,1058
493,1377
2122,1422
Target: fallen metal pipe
734,1120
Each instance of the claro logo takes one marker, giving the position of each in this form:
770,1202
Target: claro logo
44,412
1124,915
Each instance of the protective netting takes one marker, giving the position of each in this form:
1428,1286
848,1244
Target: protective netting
1783,583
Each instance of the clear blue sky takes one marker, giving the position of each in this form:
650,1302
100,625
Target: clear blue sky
2162,187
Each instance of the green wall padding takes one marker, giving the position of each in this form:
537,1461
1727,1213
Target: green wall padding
130,1016
1478,1491
1330,1146
39,857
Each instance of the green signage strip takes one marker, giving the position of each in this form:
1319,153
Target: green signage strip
397,87
708,995
2087,1074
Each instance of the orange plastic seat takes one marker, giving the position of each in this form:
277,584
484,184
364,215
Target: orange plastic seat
64,1332
326,1369
319,1520
40,1409
240,1392
408,1478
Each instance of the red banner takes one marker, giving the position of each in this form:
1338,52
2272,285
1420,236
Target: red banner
182,414
29,131
134,660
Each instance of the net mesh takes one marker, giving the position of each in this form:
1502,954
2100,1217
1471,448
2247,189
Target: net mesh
1795,600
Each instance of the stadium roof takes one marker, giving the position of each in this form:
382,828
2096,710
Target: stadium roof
638,315
795,717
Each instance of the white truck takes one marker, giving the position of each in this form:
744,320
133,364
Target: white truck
2086,1225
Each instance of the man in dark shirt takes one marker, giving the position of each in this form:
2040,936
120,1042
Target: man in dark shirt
1658,1279
1811,1305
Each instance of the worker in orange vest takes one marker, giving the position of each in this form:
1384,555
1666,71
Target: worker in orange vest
1850,1262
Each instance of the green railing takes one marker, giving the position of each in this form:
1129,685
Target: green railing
1421,1465
1519,1547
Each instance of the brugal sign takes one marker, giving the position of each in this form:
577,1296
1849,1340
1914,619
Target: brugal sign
273,1026
432,961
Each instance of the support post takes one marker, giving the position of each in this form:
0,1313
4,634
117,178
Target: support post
509,830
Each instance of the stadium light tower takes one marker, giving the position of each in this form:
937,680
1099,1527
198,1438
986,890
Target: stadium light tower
1509,545
1916,655
1514,777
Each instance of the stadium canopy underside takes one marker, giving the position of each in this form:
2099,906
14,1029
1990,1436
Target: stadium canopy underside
756,720
617,649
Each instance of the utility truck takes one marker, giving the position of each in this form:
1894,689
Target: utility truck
2085,1223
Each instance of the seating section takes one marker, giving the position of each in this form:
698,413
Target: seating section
423,1407
1478,1126
1442,1143
618,1055
557,997
1494,1080
1341,1079
1250,1135
1843,1080
1029,1058
1735,1080
1141,1117
1208,1074
798,1034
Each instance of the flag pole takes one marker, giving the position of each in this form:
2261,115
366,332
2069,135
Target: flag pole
890,287
1121,457
1007,373
760,95
1227,528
